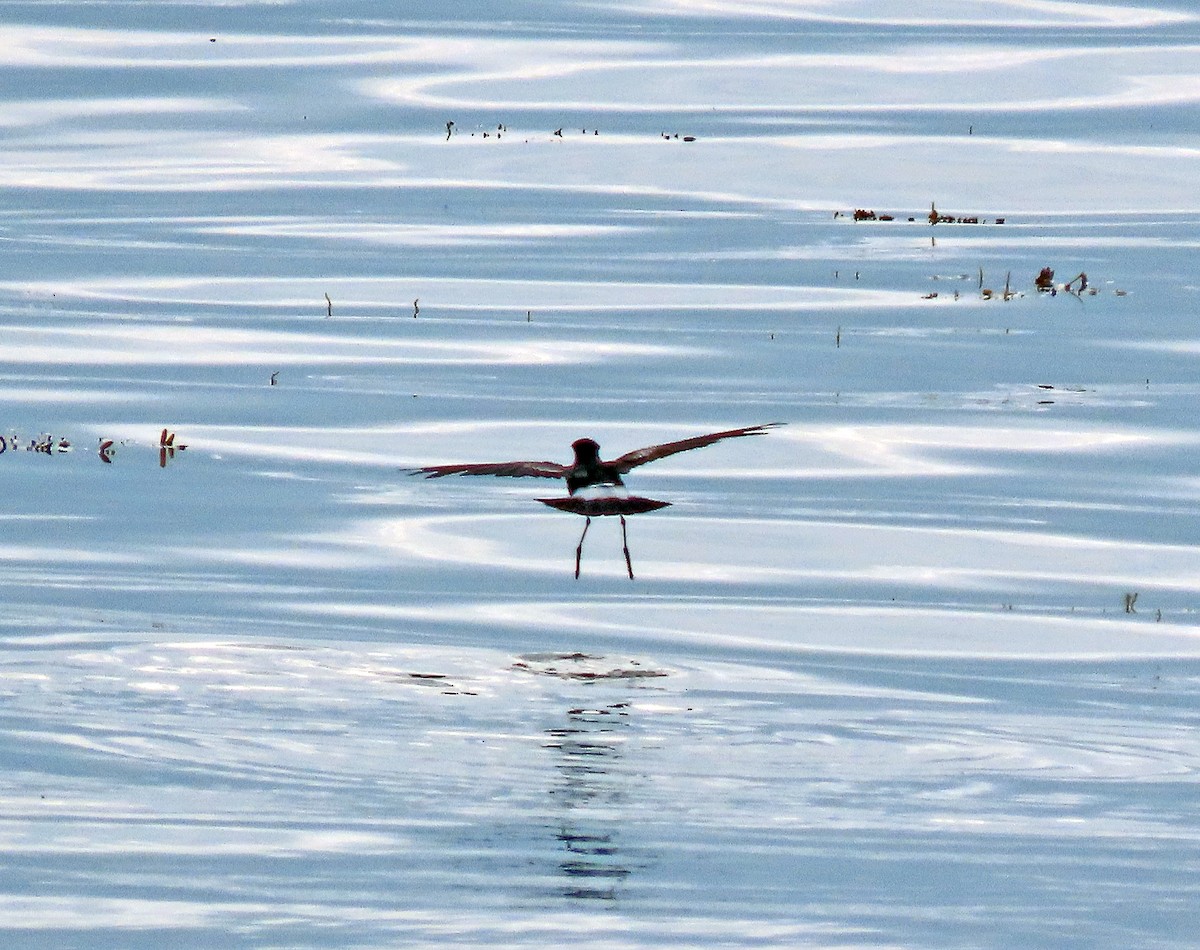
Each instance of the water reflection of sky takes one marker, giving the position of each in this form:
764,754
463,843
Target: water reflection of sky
922,656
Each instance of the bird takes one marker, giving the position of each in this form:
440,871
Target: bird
594,486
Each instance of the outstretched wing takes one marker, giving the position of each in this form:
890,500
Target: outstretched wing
650,453
508,469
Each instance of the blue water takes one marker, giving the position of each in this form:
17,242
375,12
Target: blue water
918,669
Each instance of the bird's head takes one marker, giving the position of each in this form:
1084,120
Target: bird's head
586,451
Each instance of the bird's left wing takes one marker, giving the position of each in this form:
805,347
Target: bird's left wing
641,456
507,469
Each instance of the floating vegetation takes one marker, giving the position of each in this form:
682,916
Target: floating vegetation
42,445
439,681
49,445
167,448
933,217
583,666
561,133
1077,286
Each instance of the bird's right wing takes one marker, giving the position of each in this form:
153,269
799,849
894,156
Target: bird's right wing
505,469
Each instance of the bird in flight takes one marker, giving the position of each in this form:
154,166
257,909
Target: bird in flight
595,487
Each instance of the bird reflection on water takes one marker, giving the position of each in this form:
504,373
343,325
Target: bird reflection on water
594,776
590,757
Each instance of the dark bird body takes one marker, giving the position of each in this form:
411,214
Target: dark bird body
594,486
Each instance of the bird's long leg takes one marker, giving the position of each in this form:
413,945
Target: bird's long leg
625,542
579,550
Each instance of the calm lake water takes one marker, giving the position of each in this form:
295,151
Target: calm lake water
920,668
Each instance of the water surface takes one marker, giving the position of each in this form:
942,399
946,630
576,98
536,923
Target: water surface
918,669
